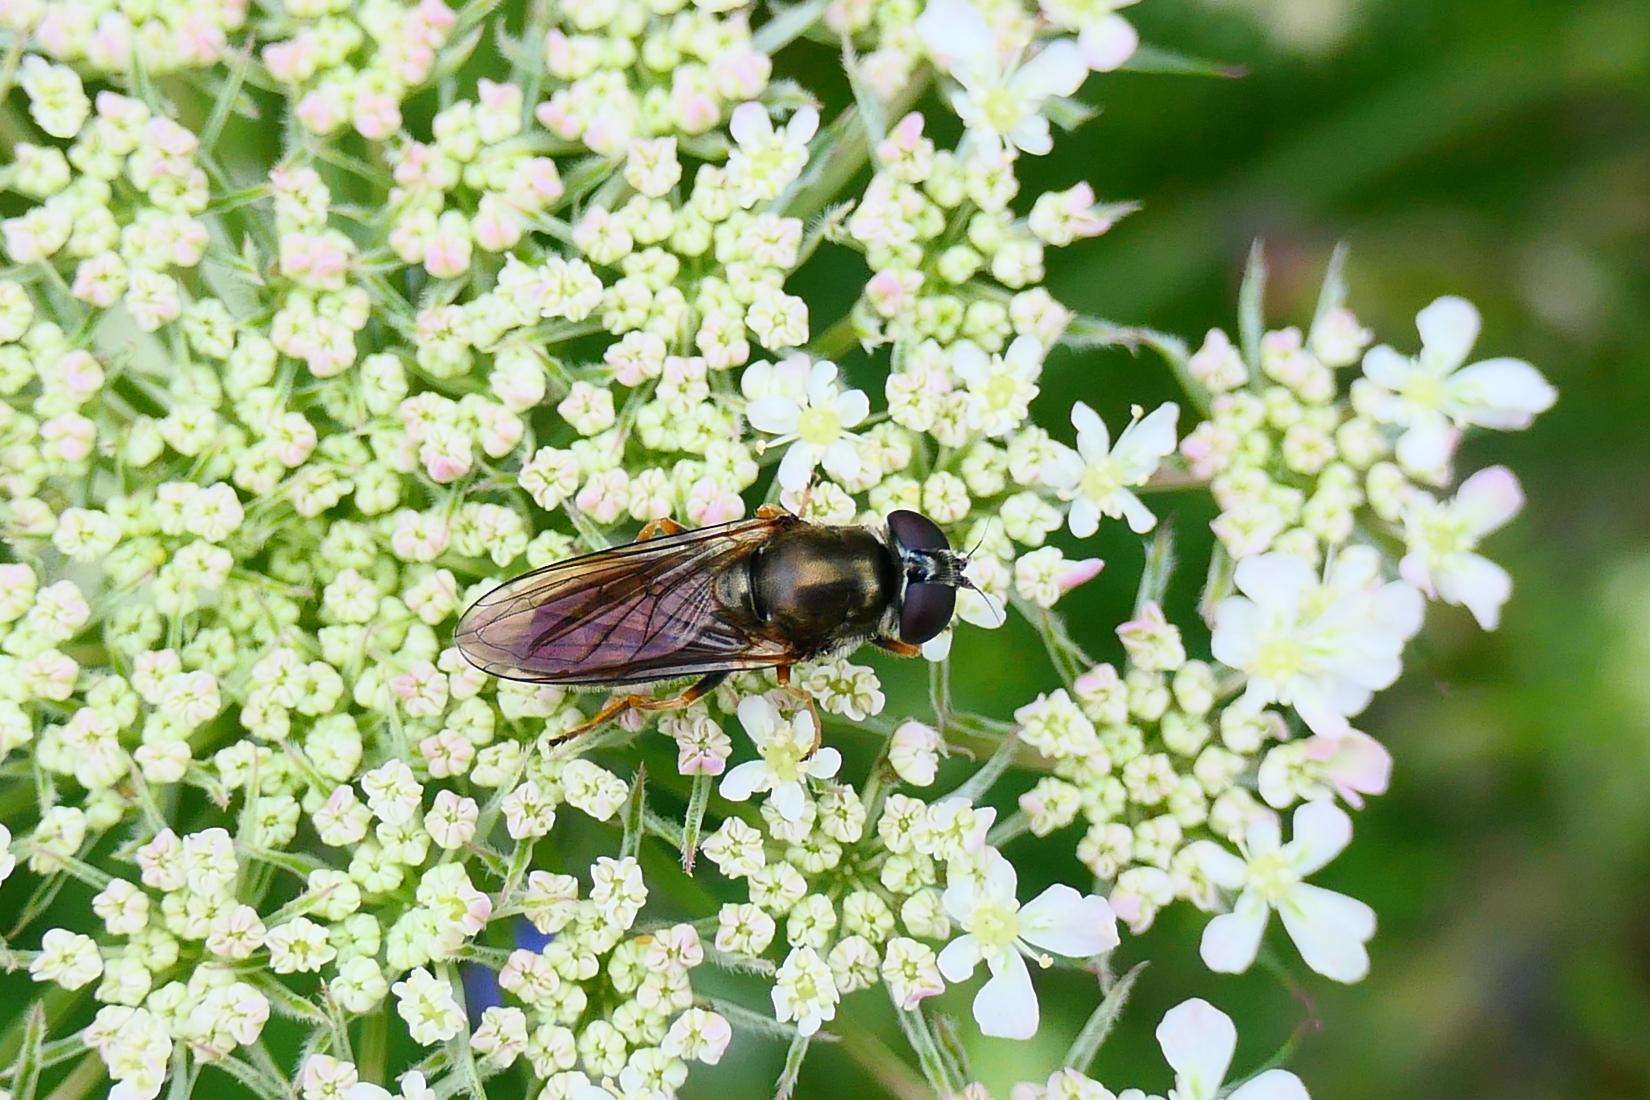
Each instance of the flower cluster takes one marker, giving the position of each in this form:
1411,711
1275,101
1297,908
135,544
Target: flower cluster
275,412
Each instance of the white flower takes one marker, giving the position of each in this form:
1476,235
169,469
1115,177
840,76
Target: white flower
805,991
1000,388
1322,647
1330,929
1002,934
806,408
1000,98
1433,392
914,752
1198,1041
1443,536
786,765
1098,477
428,1006
766,159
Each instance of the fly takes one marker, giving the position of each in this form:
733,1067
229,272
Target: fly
760,593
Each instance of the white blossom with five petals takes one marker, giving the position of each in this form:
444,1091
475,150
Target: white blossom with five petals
803,405
1443,537
1323,647
786,764
1000,932
1001,92
1433,395
1330,929
1100,476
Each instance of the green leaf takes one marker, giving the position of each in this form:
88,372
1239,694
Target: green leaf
693,822
237,62
1252,306
635,816
1152,59
1159,568
1333,294
1099,1025
744,1019
793,1068
288,1003
26,1073
788,24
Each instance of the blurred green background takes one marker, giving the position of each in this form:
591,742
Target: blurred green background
1498,149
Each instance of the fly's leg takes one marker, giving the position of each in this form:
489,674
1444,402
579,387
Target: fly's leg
636,701
772,511
656,528
898,648
783,672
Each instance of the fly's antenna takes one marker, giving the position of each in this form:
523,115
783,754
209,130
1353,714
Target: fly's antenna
979,540
964,582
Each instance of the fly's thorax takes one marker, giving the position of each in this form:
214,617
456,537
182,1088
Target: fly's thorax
819,586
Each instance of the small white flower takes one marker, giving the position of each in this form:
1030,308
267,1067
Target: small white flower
805,991
1000,388
428,1006
806,408
1433,394
785,766
1002,934
1330,929
1322,647
1000,98
1099,477
1443,536
766,160
914,752
1198,1041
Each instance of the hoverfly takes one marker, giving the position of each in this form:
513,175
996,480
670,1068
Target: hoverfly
758,593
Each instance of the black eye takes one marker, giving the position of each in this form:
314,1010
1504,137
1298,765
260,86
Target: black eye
926,610
914,531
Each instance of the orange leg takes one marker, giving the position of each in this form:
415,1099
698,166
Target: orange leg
898,648
636,701
772,511
783,674
655,528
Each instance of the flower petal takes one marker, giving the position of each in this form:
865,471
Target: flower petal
824,763
1068,923
749,124
1500,393
1275,581
1274,1084
1449,327
1231,940
774,414
1006,1006
1330,931
959,958
1478,584
744,780
1489,499
1198,1040
1057,70
1108,42
797,466
1322,832
759,718
1093,440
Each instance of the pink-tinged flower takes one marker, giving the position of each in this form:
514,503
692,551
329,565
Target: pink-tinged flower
709,503
1108,40
1330,929
1000,97
998,931
1198,1041
377,115
1433,395
1323,647
1355,765
1443,538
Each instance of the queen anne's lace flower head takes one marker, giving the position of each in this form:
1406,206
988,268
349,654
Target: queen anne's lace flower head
315,324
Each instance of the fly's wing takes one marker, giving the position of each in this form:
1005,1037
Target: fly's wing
629,615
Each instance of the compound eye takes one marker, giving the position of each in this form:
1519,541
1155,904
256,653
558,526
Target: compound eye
925,611
914,531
